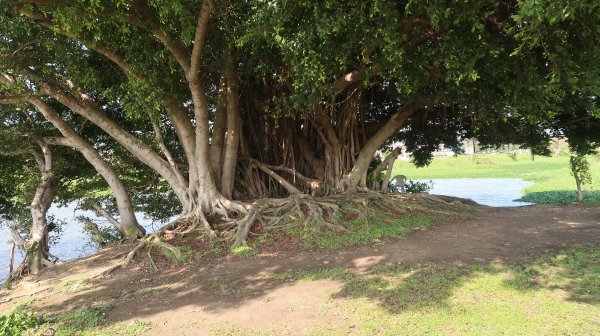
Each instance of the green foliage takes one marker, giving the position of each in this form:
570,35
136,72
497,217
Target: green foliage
580,168
414,187
244,251
16,323
188,254
559,196
105,235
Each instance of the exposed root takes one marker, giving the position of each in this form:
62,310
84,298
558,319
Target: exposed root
312,213
151,260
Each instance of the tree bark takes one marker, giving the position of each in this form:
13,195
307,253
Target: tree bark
232,137
351,180
135,146
388,165
11,257
37,244
129,226
579,190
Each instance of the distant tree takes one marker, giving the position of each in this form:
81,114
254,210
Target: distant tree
580,169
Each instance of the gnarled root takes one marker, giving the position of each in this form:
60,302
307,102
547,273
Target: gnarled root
313,213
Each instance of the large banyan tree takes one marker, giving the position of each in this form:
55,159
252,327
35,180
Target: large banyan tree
253,99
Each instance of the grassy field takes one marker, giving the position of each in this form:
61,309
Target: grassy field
551,176
554,295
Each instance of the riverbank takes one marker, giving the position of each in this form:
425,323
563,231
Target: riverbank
551,177
458,277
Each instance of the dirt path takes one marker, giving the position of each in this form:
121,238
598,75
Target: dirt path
201,298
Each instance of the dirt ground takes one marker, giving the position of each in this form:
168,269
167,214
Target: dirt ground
199,297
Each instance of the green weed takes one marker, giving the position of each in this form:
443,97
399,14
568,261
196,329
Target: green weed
380,225
16,323
244,251
71,286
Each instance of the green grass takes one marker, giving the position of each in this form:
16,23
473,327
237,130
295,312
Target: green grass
88,322
380,225
244,251
555,295
551,176
71,286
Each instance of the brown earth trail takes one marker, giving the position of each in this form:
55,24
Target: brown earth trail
201,297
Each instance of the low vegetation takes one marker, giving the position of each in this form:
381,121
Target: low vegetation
86,322
551,176
373,218
555,295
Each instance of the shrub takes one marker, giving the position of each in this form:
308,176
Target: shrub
16,323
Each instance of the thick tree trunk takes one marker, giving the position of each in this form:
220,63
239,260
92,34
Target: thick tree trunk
579,190
16,241
388,165
11,257
350,181
218,131
129,226
36,245
232,137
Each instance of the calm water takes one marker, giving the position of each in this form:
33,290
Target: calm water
74,243
496,192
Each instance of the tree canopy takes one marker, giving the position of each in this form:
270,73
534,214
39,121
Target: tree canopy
194,107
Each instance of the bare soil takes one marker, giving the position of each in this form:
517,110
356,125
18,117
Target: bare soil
201,296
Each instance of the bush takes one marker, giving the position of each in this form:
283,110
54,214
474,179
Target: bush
18,322
412,187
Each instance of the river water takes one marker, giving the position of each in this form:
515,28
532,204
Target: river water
74,243
496,192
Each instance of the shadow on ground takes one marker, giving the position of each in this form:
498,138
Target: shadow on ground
422,270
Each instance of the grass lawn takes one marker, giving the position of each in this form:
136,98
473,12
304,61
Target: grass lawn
551,176
555,295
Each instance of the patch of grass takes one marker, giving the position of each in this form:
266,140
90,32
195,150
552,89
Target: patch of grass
380,225
560,197
314,274
551,176
555,295
71,286
576,270
134,328
88,322
188,254
222,284
244,251
151,291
